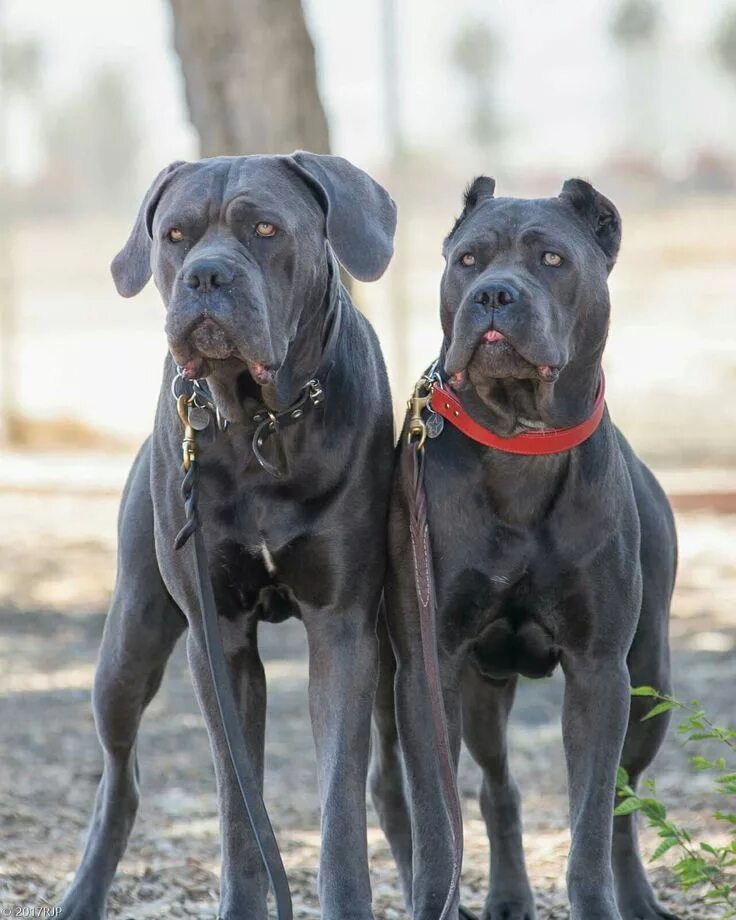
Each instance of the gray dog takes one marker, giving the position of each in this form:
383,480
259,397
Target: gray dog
294,520
567,558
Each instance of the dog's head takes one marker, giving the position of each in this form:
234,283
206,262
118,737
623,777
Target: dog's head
238,250
524,292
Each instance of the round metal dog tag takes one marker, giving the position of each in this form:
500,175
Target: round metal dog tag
435,423
199,417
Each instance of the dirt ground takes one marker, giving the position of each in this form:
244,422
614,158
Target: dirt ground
56,569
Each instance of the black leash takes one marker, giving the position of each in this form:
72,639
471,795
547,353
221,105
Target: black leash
414,458
222,685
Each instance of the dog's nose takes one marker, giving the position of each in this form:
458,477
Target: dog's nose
207,275
495,294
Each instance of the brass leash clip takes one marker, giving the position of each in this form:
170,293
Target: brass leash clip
189,443
417,404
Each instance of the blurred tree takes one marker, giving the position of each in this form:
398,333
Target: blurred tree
725,42
20,66
475,55
635,22
635,27
250,76
92,142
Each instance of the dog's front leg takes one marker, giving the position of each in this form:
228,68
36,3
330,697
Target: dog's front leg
343,667
595,716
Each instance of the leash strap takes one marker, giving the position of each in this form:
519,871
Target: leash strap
222,686
426,598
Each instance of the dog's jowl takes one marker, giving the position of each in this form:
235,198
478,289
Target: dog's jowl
540,559
295,451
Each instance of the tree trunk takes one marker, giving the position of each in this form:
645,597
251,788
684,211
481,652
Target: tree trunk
250,76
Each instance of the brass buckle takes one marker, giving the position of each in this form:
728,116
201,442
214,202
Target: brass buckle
419,401
189,443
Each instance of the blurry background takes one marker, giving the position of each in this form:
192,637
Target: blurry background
638,96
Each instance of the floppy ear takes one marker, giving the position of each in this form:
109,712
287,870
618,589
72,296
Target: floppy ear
360,214
131,267
598,212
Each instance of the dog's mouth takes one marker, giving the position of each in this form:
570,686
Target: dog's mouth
496,357
197,367
208,346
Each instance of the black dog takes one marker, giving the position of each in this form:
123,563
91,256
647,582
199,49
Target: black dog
293,503
566,558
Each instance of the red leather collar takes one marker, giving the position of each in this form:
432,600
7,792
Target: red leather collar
546,441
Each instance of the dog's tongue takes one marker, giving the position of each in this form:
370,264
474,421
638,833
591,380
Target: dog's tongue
493,335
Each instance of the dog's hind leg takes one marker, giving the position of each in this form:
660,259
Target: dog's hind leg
140,632
386,778
486,708
648,663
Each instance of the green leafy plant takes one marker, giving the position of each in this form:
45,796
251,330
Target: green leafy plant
700,862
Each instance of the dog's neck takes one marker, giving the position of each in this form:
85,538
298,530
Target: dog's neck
314,337
510,406
523,489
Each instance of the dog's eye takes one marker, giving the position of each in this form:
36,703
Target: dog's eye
467,259
175,235
264,228
553,259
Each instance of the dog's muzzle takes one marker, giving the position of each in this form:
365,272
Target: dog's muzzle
210,340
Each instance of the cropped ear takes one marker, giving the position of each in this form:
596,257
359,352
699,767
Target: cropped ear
598,212
482,187
131,267
360,214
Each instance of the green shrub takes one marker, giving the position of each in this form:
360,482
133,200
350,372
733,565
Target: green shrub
700,862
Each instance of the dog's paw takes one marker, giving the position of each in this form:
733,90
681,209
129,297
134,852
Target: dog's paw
67,912
81,903
637,901
510,909
646,909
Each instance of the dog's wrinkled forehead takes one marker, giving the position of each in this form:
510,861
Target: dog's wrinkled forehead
581,219
224,190
503,222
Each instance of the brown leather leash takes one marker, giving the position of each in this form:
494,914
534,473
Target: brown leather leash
424,583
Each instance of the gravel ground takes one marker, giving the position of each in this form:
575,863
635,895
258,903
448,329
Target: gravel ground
57,562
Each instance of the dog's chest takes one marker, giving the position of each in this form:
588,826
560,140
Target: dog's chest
504,608
269,558
510,594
